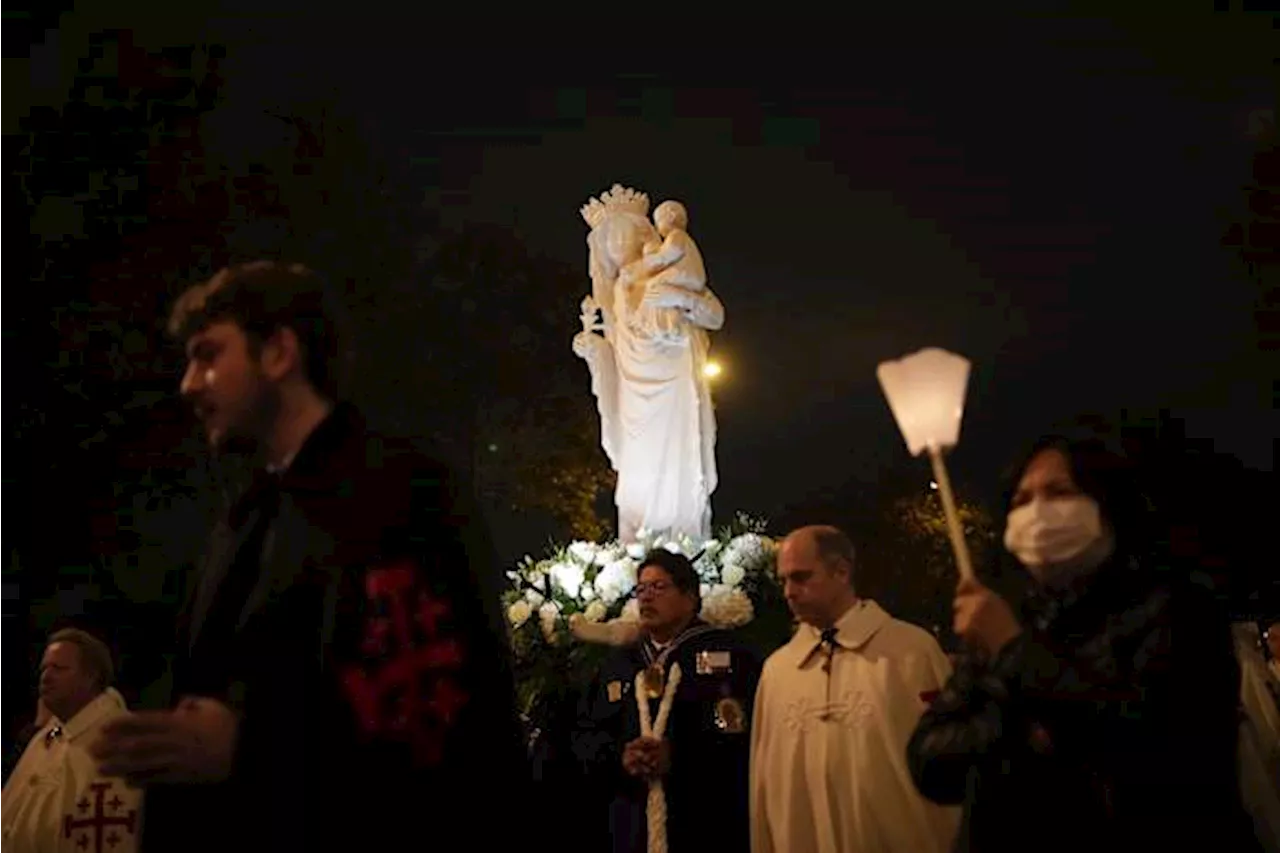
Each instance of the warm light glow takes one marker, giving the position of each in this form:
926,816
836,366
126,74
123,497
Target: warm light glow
933,484
712,369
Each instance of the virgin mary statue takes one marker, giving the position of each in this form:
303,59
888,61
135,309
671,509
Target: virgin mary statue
646,356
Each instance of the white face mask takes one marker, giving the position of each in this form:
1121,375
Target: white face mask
1054,533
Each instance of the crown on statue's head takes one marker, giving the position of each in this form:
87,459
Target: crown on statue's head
620,199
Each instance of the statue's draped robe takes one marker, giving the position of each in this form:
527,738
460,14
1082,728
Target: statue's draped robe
828,759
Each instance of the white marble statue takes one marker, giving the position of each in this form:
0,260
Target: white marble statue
656,421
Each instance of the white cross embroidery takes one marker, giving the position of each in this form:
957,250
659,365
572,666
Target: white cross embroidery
852,710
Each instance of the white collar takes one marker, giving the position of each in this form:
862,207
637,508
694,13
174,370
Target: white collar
853,630
87,718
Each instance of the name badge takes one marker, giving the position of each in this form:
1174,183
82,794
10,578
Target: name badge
614,689
711,663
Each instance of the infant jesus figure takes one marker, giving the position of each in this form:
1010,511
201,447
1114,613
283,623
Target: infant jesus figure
675,262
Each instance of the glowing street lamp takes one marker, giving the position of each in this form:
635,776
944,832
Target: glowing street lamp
926,392
712,370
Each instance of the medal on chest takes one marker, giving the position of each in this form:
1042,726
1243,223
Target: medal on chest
655,681
730,718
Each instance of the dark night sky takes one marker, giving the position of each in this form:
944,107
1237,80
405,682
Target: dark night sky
1046,198
1045,195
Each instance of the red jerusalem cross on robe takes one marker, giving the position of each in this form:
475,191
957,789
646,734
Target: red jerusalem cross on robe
404,689
101,825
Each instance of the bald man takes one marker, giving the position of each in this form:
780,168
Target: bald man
834,711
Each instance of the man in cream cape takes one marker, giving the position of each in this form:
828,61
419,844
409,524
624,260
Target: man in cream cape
833,714
1259,751
56,800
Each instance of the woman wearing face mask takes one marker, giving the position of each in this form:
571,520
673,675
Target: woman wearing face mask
1103,715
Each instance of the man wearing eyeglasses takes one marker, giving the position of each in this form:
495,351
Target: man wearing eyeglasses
57,799
703,758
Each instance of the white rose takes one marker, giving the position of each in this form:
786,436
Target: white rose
750,550
673,547
595,612
587,593
616,580
547,615
568,577
631,612
519,613
605,556
727,607
636,551
534,597
583,552
732,574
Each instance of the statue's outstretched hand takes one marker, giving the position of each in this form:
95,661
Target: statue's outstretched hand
585,344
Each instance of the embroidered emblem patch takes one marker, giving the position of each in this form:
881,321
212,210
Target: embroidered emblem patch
730,718
99,821
406,689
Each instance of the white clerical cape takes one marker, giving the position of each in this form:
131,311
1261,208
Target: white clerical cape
1259,749
828,760
56,802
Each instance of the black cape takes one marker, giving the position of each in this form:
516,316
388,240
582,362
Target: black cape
350,611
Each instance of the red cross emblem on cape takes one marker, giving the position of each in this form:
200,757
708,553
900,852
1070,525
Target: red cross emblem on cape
404,688
104,825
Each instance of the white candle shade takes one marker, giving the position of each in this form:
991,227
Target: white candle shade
926,392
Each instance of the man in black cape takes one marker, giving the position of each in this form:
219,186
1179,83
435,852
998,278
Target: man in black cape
343,679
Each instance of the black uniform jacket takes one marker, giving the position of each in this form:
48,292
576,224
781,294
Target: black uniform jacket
709,735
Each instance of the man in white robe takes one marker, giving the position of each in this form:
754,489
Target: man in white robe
56,801
1259,751
833,714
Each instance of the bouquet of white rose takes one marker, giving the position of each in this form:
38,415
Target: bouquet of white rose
583,592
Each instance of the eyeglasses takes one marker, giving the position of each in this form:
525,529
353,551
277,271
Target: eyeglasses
654,587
